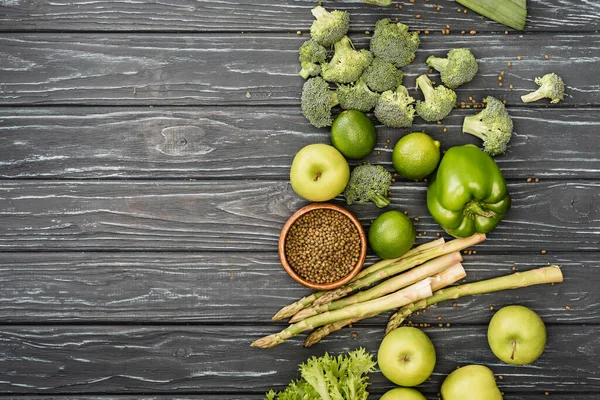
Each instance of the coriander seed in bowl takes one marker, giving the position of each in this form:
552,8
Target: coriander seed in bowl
322,246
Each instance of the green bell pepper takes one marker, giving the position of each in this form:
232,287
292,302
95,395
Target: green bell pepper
467,193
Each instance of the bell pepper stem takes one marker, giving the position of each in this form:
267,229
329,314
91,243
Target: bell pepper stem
474,208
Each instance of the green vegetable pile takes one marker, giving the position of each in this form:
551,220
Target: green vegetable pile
327,377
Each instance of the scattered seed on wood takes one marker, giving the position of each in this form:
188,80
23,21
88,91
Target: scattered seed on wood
445,130
537,180
298,32
418,16
462,32
506,32
547,57
499,83
473,32
568,307
519,58
511,86
491,308
543,252
427,31
509,64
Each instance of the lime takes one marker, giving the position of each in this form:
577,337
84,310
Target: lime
353,134
416,155
392,234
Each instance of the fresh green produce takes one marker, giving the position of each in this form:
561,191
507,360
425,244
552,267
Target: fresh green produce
539,276
353,134
347,64
406,356
369,183
402,394
392,234
319,172
439,101
317,100
329,27
416,155
393,42
468,193
472,382
517,335
357,96
344,377
512,13
383,3
493,125
551,87
311,55
458,68
395,109
382,75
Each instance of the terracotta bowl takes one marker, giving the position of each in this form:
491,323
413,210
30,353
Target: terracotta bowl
325,286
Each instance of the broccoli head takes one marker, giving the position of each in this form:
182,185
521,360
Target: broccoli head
369,183
493,125
311,55
394,43
458,68
347,64
439,101
394,108
357,96
382,75
329,27
317,101
551,87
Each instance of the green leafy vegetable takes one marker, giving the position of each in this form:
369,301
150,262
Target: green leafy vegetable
511,13
344,377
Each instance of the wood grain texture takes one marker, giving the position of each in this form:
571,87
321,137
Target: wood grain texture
219,359
255,142
248,215
252,16
258,69
249,288
229,396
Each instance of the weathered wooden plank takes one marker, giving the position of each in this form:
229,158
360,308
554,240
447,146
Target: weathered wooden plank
213,359
248,215
256,69
256,142
508,396
248,16
249,288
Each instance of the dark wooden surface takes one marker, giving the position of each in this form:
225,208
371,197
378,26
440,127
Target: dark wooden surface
144,158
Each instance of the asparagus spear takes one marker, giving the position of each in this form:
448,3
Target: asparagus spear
517,280
445,278
293,308
413,293
416,274
401,266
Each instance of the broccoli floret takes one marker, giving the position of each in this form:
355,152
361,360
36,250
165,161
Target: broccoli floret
493,125
329,27
311,55
347,64
551,87
439,101
382,75
394,109
317,101
459,68
357,96
394,43
369,183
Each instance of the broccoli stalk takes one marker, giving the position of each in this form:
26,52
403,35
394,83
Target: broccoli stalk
551,87
347,64
394,109
317,100
329,27
369,183
458,68
439,101
394,43
357,96
493,125
311,54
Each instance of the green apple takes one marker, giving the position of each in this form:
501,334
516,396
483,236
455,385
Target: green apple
406,356
403,394
319,172
517,335
473,382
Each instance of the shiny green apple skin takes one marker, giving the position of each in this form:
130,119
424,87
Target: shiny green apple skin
403,394
406,356
319,172
517,335
472,382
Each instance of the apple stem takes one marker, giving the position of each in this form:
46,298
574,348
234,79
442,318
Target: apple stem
514,345
318,176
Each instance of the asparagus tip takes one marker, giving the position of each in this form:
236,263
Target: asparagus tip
265,342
